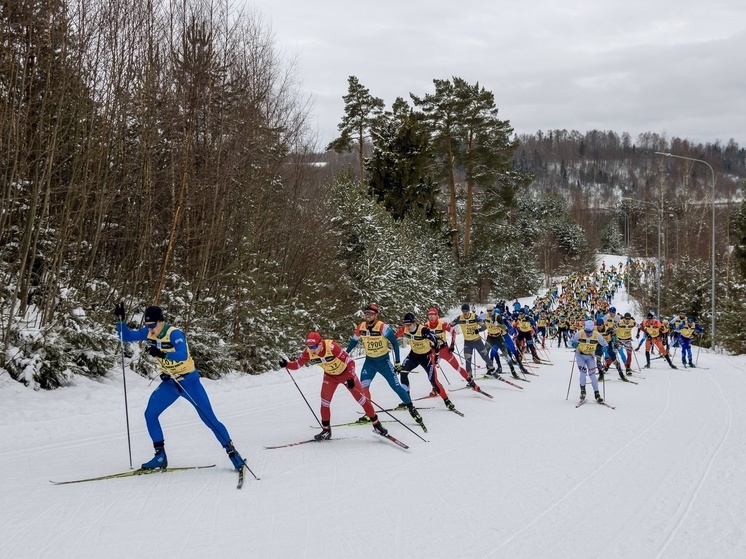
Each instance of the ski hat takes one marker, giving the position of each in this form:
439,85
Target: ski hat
627,315
599,321
433,311
465,307
313,339
371,307
408,318
650,314
490,307
612,309
588,326
153,314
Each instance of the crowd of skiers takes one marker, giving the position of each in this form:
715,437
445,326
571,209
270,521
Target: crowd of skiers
577,312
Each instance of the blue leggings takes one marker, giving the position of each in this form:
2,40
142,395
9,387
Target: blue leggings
191,388
384,366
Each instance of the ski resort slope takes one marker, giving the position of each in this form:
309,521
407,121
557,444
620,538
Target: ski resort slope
525,475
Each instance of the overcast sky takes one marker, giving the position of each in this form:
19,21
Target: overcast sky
673,67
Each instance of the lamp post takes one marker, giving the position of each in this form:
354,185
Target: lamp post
659,208
712,264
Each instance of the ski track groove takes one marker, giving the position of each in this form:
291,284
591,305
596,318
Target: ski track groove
591,474
685,506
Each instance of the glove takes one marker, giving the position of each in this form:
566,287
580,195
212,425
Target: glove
452,347
165,377
350,383
437,357
119,311
155,352
283,362
638,336
397,368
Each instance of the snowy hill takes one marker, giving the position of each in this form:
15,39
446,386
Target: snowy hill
525,475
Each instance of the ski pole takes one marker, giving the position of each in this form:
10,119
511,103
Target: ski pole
207,420
304,397
570,383
126,406
396,419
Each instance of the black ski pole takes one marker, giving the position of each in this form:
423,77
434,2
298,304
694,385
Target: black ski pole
397,420
304,397
126,406
570,382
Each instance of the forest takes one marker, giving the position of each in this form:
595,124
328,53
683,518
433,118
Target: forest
162,153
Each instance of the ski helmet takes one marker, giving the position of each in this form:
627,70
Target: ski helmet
313,339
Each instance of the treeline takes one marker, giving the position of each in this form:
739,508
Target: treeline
159,152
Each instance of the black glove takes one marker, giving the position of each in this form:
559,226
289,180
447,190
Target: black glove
155,352
119,311
437,358
165,377
452,347
283,362
350,382
397,368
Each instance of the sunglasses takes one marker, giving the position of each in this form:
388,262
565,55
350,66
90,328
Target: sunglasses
314,347
150,325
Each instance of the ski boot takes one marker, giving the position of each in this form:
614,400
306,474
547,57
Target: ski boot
628,371
416,416
582,392
597,395
236,459
364,419
514,374
670,364
490,372
159,461
471,384
326,432
449,404
692,365
380,429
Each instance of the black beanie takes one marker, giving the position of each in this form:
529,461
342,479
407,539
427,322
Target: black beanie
153,314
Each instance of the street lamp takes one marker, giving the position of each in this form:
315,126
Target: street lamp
659,208
712,294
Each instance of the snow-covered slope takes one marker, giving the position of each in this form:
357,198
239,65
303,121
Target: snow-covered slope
523,475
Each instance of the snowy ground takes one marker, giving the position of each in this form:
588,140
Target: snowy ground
524,475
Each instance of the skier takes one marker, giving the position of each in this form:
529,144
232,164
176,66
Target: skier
377,338
423,352
585,342
525,328
624,336
685,334
652,328
470,328
339,368
179,377
440,328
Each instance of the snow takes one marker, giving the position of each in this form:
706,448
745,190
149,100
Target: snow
525,475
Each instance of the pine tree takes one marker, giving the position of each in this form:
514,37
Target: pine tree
361,112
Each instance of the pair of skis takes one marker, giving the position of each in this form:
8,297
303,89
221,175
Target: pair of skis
386,436
584,400
143,472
